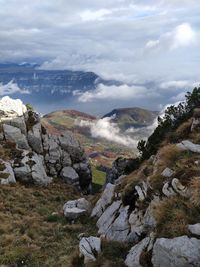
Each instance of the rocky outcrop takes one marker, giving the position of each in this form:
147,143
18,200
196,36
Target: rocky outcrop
7,175
177,252
104,201
42,155
89,247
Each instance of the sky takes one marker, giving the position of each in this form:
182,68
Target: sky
153,47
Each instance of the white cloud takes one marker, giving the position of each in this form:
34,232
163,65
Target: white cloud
11,88
183,36
90,15
152,43
103,128
113,92
175,84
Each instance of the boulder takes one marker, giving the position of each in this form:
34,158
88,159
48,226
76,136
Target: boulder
73,209
104,201
179,188
167,172
31,169
69,175
176,252
188,145
89,247
194,228
8,171
133,257
13,134
119,229
108,216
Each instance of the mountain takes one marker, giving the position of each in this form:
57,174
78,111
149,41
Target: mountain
132,117
34,85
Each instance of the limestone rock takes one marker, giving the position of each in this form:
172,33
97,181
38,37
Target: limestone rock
11,107
108,217
194,228
75,208
8,171
35,139
168,190
104,200
167,172
32,169
69,175
177,252
179,188
133,257
89,247
188,145
13,134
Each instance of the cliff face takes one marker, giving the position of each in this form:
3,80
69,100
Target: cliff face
31,155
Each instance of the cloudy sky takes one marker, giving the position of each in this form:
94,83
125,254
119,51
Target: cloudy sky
152,46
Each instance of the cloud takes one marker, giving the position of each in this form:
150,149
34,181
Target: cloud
103,128
175,85
183,36
138,42
112,92
11,88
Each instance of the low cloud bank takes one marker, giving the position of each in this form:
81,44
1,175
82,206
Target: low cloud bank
11,88
104,128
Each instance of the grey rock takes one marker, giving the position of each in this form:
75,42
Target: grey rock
35,139
11,176
133,257
108,216
69,175
188,145
168,190
14,134
167,172
177,252
73,209
194,228
89,247
104,201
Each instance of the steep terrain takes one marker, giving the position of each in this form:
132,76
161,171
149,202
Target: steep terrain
148,214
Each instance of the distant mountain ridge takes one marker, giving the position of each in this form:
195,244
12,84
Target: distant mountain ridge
48,85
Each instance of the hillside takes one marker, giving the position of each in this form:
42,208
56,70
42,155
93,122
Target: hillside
132,117
99,150
148,214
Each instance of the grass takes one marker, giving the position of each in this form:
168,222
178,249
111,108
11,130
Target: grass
98,179
173,216
33,229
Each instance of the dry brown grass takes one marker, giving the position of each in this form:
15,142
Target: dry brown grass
30,232
196,113
173,216
195,189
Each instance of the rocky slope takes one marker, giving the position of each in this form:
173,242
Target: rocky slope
155,208
35,156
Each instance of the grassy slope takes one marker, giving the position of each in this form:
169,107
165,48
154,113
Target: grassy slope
30,233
